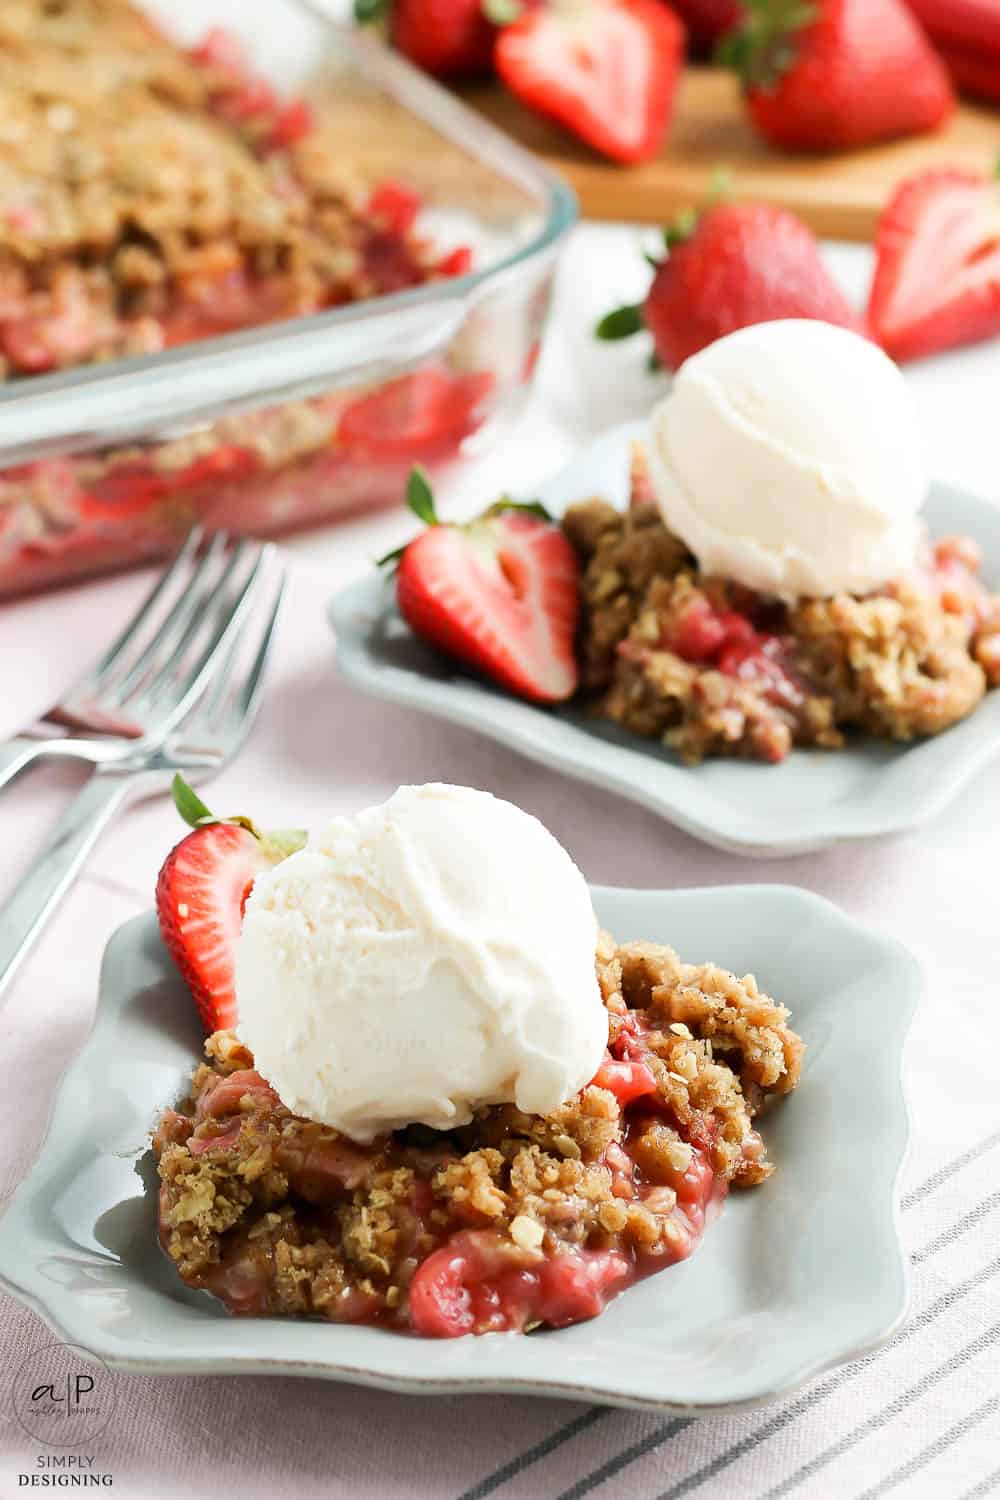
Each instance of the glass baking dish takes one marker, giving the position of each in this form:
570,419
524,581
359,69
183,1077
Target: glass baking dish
300,422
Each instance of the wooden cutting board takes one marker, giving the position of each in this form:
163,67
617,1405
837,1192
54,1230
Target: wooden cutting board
840,197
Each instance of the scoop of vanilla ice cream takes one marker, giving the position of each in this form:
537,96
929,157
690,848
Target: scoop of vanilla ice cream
787,458
428,956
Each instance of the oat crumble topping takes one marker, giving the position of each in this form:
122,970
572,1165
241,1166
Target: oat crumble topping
276,1214
656,658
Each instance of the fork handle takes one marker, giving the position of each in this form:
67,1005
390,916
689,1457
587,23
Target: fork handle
44,884
15,755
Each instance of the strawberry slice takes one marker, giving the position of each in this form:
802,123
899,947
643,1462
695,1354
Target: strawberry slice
501,594
606,69
200,896
937,271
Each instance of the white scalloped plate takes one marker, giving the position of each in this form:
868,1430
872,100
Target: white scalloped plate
813,800
802,1273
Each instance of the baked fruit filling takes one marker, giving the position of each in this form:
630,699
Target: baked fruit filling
710,668
510,1223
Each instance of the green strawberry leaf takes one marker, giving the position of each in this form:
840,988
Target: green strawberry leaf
393,558
189,804
420,497
622,323
765,45
526,507
367,11
681,229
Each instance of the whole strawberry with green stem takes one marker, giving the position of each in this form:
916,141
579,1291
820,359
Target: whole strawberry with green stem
830,75
727,267
201,892
500,593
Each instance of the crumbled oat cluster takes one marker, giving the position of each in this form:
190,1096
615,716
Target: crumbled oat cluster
711,669
277,1214
149,195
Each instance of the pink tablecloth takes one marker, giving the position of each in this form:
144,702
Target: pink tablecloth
918,1419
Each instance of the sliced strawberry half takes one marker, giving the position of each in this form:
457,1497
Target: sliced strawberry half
606,69
501,593
200,896
937,273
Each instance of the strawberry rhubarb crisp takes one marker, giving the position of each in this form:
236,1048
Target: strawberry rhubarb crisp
424,1105
711,668
510,1222
150,196
770,583
153,195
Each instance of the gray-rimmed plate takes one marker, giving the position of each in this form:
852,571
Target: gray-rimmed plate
813,800
797,1275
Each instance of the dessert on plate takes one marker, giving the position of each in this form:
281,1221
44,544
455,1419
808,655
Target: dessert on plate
770,585
436,1098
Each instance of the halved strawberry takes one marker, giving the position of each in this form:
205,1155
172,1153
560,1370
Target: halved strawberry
200,896
937,271
606,69
501,593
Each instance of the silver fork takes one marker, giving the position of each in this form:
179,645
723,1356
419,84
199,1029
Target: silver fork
208,736
138,690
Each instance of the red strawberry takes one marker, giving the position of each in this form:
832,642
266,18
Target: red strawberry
707,21
200,896
449,38
606,69
837,73
501,593
732,265
937,269
973,25
974,73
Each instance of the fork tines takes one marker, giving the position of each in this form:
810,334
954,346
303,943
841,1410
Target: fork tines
159,665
